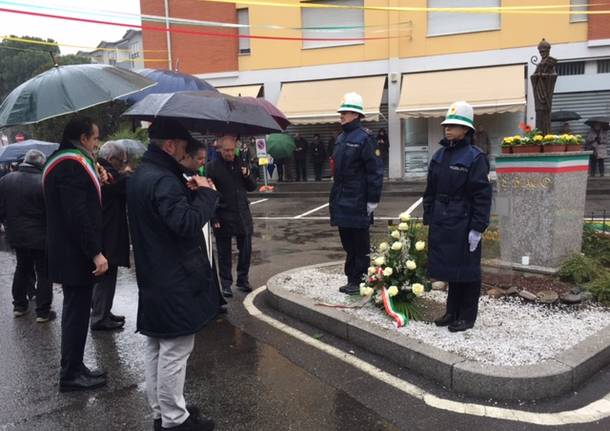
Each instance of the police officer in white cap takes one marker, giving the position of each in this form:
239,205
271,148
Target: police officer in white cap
358,178
457,204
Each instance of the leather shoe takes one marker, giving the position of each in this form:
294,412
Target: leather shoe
446,320
116,317
460,325
352,289
93,372
108,325
227,292
343,288
81,382
244,287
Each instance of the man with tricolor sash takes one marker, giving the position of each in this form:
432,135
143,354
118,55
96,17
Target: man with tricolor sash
72,188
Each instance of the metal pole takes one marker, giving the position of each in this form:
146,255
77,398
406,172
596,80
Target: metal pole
168,36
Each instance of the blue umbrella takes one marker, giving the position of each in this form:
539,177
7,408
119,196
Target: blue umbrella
168,82
16,152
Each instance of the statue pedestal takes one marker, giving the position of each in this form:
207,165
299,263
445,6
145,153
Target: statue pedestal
541,205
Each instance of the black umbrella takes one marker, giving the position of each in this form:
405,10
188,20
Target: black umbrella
67,89
16,152
559,116
206,112
168,81
604,121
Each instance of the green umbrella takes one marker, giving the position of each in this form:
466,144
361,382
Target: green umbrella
67,89
280,146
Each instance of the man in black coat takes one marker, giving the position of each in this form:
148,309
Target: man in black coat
301,148
358,179
232,219
318,156
73,197
113,158
22,209
457,205
176,296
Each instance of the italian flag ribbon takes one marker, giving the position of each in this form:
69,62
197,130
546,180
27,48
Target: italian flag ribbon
400,319
77,156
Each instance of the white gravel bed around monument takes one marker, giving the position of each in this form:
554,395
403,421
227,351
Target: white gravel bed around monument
507,332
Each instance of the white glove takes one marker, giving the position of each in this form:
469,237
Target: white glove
474,238
370,207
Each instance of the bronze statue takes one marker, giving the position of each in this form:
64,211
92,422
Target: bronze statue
543,81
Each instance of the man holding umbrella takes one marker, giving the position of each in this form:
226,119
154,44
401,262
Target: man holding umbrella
358,179
176,296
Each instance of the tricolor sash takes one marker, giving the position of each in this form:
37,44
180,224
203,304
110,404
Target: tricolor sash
77,156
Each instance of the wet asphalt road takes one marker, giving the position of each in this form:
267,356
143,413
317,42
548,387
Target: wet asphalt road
244,373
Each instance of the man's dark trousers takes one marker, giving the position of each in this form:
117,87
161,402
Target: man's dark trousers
28,261
357,245
244,246
74,328
301,169
463,300
103,295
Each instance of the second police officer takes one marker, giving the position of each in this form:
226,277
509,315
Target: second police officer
358,178
457,204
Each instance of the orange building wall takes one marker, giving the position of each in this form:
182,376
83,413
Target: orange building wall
599,25
192,54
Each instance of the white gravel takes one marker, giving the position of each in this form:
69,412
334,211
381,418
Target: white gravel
507,332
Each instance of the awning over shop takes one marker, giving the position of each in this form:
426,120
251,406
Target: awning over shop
489,90
315,102
243,90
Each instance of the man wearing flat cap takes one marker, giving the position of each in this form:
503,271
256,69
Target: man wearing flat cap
176,296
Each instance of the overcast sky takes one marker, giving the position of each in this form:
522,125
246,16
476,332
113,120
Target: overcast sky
73,33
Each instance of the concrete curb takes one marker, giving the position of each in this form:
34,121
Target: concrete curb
551,378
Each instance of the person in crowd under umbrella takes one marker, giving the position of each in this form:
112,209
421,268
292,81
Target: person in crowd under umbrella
318,155
72,186
22,209
457,204
300,157
356,191
597,141
176,295
195,158
233,180
383,144
115,237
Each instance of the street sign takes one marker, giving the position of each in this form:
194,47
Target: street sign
261,148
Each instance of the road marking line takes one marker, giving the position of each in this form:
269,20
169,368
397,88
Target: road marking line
259,201
311,211
592,412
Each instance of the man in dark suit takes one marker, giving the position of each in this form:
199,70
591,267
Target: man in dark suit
115,237
176,295
22,208
72,186
233,179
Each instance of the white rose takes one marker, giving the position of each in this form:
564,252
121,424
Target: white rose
371,270
383,247
368,291
404,217
411,264
397,245
379,261
395,234
362,285
393,291
418,289
388,271
362,290
403,226
420,245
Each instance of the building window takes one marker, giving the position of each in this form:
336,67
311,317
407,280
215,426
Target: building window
446,23
570,68
243,18
603,66
578,6
325,17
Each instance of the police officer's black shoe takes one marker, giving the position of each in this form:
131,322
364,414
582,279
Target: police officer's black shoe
460,325
352,289
342,288
446,320
227,292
